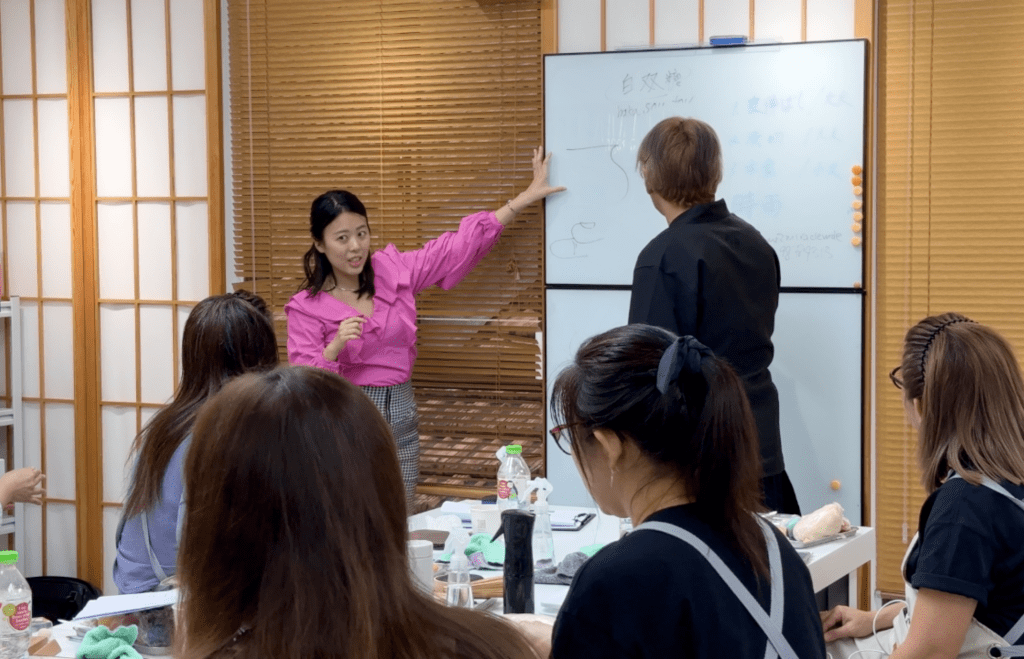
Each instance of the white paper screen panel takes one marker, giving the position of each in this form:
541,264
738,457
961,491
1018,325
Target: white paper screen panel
58,351
190,157
817,369
114,159
19,149
830,19
21,249
54,154
111,518
149,46
628,24
155,272
109,47
152,147
60,451
119,429
61,543
188,60
33,563
15,46
791,123
579,26
116,242
193,245
726,17
156,336
30,364
51,51
676,22
779,20
117,342
56,217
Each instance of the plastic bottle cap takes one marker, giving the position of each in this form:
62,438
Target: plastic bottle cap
8,557
513,449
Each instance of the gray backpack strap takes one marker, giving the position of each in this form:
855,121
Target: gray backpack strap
778,602
158,569
1017,630
771,629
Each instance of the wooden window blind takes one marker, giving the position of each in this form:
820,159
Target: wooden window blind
428,113
951,85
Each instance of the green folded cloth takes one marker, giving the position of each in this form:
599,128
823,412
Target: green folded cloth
101,643
493,552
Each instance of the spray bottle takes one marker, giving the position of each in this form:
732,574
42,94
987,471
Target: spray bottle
460,591
543,541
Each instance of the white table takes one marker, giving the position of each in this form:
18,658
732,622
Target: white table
830,563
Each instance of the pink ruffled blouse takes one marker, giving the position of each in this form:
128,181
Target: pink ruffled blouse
385,353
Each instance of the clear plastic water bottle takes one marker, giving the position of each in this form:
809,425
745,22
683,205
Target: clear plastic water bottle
513,478
16,607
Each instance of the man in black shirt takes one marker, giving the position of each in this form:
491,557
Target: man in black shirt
713,276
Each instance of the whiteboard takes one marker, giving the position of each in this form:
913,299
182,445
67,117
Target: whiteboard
790,118
817,370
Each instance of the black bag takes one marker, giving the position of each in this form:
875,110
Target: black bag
60,598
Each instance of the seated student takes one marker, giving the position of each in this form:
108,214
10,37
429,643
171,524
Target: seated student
964,569
224,336
661,432
295,533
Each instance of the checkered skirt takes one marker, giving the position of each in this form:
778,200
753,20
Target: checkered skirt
398,407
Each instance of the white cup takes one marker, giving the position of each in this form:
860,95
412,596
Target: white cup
485,518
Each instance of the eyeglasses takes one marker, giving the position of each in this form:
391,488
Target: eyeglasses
895,379
562,440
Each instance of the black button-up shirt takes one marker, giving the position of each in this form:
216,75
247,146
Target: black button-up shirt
713,276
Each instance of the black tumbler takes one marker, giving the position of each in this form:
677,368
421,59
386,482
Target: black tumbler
517,527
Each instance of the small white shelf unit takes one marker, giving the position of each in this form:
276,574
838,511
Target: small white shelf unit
12,416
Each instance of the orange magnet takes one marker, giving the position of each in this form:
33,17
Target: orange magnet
858,191
855,241
856,180
856,227
857,205
856,284
857,169
835,485
858,216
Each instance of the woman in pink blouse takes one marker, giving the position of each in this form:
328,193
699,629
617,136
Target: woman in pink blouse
356,312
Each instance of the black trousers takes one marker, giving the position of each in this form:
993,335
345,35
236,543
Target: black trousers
779,495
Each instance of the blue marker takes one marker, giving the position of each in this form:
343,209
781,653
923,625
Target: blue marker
729,40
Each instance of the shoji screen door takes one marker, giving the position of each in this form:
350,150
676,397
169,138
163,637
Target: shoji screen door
36,213
147,244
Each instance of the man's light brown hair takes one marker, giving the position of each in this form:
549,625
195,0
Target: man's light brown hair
681,160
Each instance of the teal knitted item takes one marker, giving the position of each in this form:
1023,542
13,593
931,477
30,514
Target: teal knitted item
493,552
101,643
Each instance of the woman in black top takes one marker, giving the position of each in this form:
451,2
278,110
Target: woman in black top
964,570
661,432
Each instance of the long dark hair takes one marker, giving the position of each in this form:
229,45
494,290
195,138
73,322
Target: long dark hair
296,531
969,385
700,430
225,335
317,268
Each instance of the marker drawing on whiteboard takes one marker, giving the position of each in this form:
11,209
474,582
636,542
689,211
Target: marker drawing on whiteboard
569,248
612,148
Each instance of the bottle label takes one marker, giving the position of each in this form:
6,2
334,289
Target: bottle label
506,489
19,616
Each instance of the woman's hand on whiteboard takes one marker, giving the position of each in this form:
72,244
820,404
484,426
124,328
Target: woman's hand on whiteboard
348,329
538,189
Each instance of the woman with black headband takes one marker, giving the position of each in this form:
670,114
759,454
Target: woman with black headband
964,569
661,431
